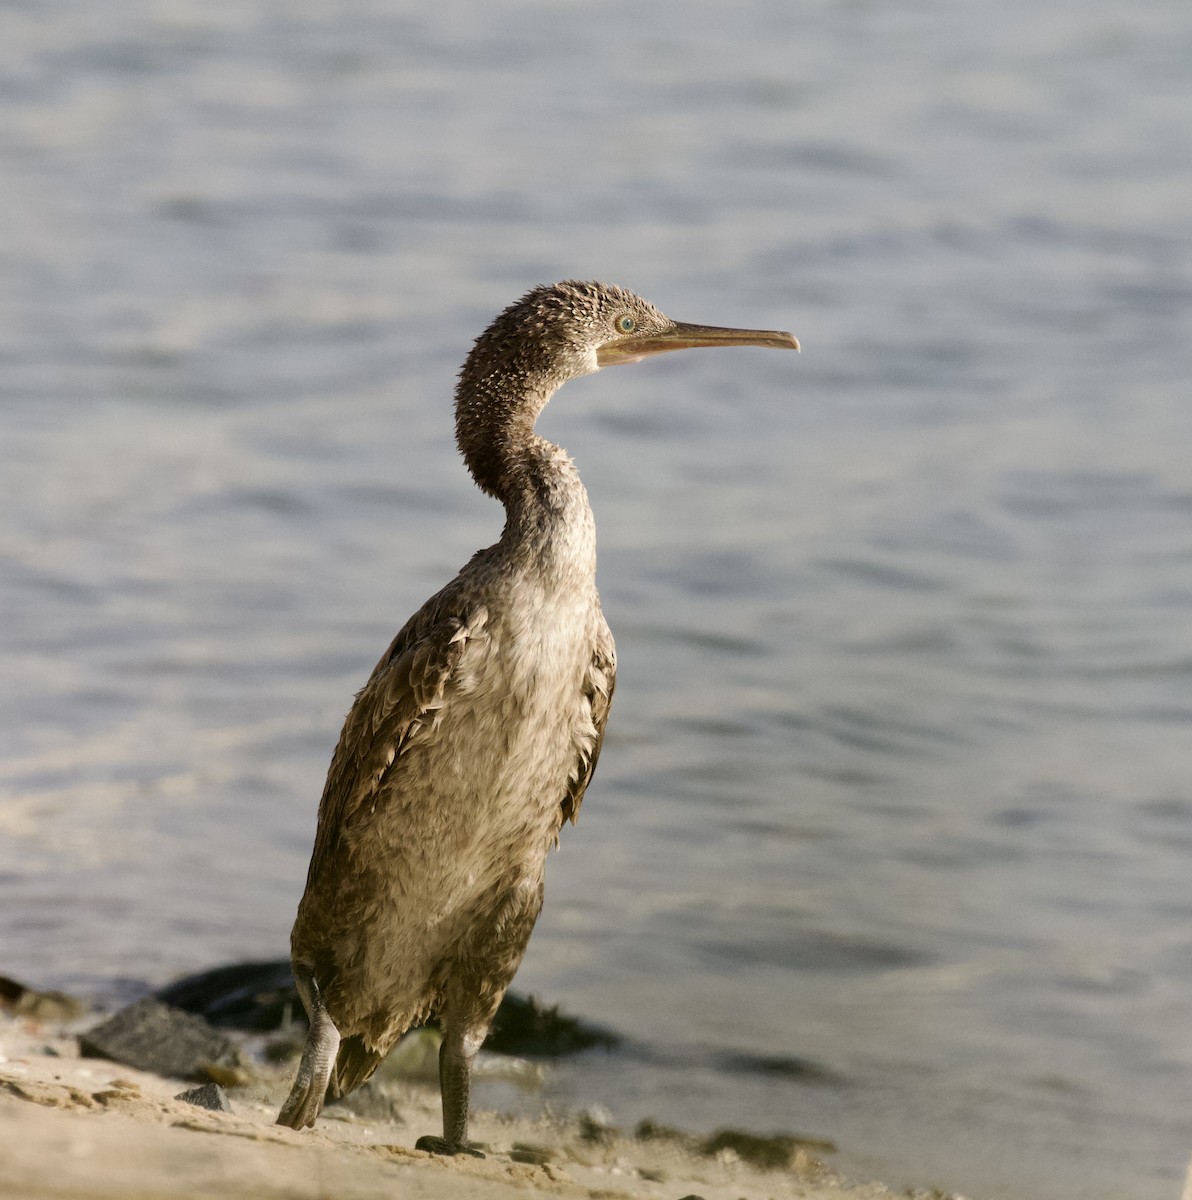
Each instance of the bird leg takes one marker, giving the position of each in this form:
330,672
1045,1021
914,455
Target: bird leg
456,1054
318,1057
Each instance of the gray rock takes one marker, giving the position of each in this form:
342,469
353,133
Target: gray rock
210,1095
152,1036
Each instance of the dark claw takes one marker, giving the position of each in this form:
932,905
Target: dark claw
438,1145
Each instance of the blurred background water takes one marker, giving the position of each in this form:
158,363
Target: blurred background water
892,837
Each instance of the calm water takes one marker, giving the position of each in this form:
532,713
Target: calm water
897,781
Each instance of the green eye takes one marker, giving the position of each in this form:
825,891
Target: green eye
625,324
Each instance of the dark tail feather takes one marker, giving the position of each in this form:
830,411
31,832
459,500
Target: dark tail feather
354,1065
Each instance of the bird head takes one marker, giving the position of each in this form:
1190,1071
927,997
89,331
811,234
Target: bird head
564,330
553,334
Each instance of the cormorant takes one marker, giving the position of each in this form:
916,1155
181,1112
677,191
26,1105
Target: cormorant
476,735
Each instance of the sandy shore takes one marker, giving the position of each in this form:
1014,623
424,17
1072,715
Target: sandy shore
74,1127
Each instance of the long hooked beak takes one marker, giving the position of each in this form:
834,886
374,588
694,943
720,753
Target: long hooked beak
634,347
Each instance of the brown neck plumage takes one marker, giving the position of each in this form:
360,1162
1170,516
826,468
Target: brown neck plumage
502,389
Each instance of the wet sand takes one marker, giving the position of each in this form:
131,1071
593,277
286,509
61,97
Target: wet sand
89,1129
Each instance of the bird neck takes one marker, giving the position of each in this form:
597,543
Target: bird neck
494,429
546,506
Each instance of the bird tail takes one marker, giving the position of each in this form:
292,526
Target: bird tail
354,1065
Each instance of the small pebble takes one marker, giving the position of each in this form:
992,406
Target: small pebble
210,1095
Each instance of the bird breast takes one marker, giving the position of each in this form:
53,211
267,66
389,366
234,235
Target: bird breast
520,708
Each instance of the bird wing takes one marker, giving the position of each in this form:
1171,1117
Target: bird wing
402,697
599,683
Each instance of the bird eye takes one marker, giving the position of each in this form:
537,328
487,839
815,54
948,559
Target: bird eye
625,324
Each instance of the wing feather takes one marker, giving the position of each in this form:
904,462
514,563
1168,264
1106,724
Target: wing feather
405,693
599,684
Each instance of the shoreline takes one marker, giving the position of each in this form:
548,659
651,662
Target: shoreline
92,1129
